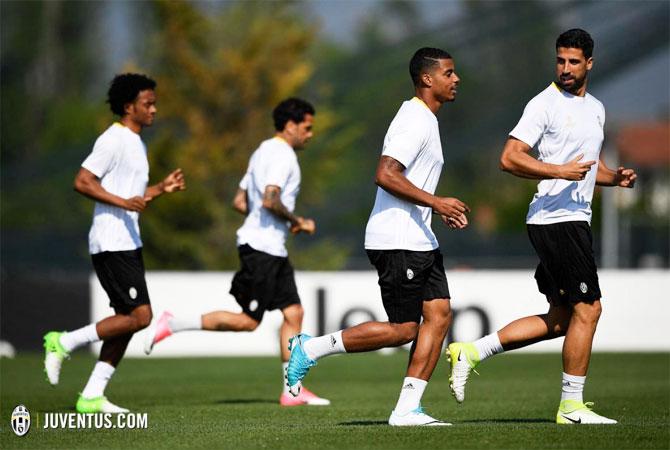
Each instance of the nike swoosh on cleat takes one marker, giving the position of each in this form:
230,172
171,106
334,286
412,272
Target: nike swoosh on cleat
572,420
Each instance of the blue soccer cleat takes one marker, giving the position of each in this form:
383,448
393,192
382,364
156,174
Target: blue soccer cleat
298,364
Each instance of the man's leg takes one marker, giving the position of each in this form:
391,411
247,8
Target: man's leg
168,324
92,398
59,345
576,357
425,353
579,337
520,333
291,326
365,337
437,317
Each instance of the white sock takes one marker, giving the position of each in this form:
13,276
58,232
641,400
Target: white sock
284,383
488,346
573,387
75,339
410,395
328,344
185,322
98,381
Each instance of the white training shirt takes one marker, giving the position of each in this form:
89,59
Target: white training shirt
273,163
563,126
119,159
413,139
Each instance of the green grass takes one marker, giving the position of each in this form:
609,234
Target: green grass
232,403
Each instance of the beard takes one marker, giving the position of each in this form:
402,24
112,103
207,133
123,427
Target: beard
574,87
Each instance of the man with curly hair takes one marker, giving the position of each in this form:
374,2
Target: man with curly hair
115,175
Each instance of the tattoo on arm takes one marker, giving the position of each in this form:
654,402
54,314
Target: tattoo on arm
272,202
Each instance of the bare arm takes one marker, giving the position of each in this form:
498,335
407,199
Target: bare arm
272,202
516,160
391,178
621,177
240,203
86,183
174,182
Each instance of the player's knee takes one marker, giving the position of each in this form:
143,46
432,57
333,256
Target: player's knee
248,323
293,315
406,332
589,312
141,319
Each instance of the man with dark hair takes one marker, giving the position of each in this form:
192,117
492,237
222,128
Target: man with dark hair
566,123
115,175
265,281
402,246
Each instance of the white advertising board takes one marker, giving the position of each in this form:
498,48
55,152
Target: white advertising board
636,309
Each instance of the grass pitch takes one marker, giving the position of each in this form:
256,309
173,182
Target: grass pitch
233,403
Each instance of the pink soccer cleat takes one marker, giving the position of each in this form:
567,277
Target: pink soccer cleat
158,332
305,397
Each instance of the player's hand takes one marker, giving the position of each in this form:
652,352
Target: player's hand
575,170
450,207
455,223
174,182
625,177
136,204
305,225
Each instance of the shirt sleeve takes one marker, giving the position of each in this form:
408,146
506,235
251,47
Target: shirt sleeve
404,142
103,156
244,182
533,122
277,172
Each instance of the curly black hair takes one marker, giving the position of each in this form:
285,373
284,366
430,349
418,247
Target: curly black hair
125,88
293,109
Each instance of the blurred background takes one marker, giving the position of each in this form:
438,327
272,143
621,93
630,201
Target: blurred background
222,66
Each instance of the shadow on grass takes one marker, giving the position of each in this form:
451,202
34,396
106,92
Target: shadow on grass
245,401
507,421
364,423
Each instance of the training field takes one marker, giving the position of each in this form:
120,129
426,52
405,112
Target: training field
232,403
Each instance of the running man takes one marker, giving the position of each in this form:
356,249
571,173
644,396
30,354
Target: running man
566,123
401,245
115,175
265,281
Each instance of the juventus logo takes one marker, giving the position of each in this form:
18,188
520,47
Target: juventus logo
20,420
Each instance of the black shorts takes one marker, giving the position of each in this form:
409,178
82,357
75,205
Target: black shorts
263,283
567,270
407,279
121,275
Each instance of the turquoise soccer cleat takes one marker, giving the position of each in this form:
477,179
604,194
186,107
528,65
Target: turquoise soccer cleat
298,364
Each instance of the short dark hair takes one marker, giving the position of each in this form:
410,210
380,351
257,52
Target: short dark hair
423,59
293,109
125,88
576,38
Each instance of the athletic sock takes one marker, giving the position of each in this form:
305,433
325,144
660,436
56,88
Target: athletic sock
573,387
488,346
98,381
75,339
410,395
185,322
284,383
328,344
